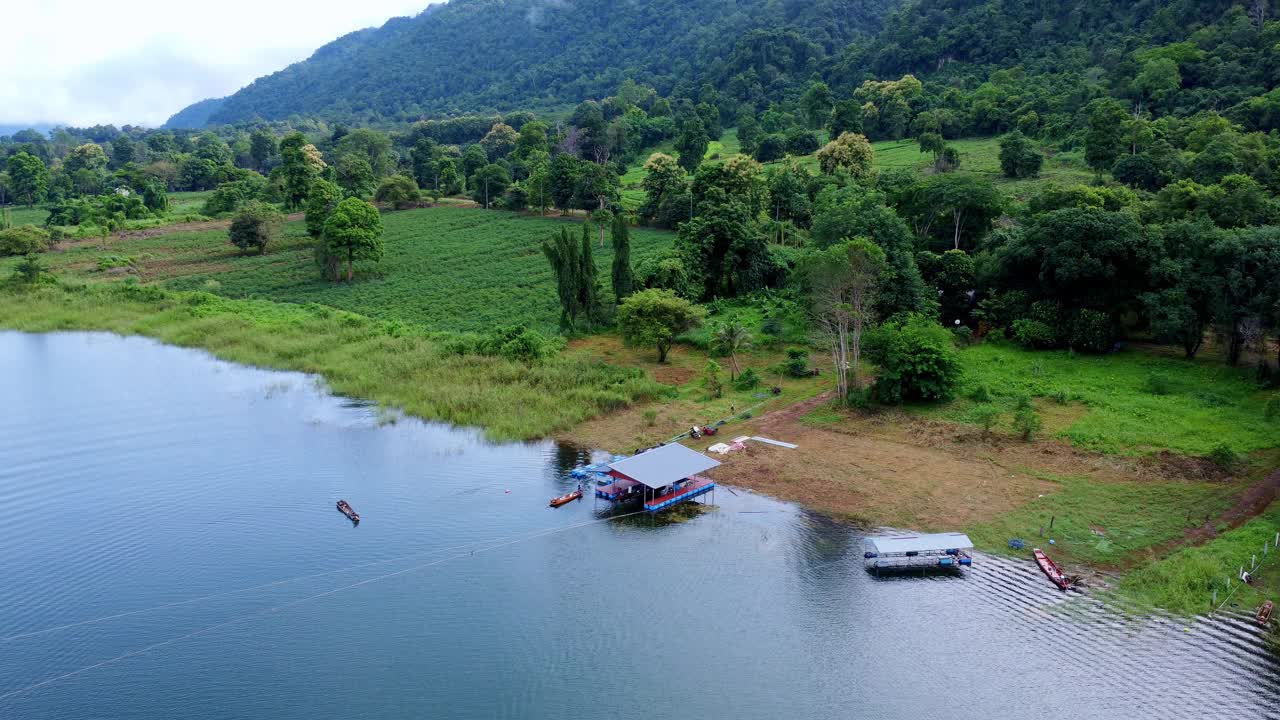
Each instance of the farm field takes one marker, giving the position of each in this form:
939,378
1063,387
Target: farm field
446,268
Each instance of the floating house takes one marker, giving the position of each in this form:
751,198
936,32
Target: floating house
660,478
901,552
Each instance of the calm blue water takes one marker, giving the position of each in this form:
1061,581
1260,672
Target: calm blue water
190,502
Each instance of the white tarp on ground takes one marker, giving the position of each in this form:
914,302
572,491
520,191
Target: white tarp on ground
938,542
663,466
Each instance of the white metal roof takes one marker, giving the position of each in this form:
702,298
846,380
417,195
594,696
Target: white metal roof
662,466
885,544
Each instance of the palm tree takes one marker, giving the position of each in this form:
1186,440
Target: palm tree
731,339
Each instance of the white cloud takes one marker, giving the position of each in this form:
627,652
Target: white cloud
83,62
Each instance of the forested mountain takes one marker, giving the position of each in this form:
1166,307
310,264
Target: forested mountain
477,55
194,116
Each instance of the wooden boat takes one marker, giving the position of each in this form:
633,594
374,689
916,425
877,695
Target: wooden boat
345,508
1264,612
1051,569
568,498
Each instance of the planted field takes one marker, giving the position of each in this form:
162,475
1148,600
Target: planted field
1132,401
445,268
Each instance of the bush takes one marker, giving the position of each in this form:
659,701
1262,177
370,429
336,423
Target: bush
517,342
1019,157
1026,420
797,363
748,380
986,416
1033,334
1273,408
917,360
1159,385
802,142
772,147
650,417
254,226
1092,331
1225,458
398,191
980,394
231,196
23,240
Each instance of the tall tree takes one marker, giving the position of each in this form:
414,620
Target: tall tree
816,103
850,152
575,272
299,168
262,147
1105,138
28,178
353,231
842,282
692,143
624,281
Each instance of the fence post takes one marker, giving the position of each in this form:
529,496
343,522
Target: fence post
1254,566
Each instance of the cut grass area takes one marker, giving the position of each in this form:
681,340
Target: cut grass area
23,215
1184,581
445,268
689,402
390,363
1206,403
1107,524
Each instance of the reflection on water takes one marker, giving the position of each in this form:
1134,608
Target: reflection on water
191,502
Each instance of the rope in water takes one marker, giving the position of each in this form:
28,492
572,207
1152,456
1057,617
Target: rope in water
291,603
228,593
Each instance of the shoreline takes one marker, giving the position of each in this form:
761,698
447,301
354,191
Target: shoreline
994,482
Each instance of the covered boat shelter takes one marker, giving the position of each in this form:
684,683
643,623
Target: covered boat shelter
661,477
938,550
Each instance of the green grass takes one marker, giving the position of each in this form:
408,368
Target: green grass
445,268
391,363
1184,581
1107,523
1209,403
22,215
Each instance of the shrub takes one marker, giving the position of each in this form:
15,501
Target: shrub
1225,458
802,142
1060,396
748,380
917,359
518,342
398,191
797,363
1033,334
23,240
1159,385
1091,331
254,226
1019,157
30,270
231,196
1026,420
772,147
986,416
980,394
711,379
1273,408
772,326
650,417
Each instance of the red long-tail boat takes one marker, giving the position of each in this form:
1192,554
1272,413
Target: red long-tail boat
565,499
1051,570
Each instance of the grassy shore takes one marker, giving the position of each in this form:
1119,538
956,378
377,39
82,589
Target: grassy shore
387,362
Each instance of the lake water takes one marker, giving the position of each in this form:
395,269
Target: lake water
171,550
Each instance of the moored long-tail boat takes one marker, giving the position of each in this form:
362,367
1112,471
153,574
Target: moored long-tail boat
1051,569
566,498
345,508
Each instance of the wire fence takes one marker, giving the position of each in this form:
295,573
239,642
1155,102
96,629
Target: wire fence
1269,551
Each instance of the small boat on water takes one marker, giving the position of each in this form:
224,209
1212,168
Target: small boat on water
1051,569
1264,613
345,508
567,498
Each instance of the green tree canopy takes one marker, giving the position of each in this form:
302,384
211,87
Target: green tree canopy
655,318
353,231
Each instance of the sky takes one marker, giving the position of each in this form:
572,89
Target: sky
88,62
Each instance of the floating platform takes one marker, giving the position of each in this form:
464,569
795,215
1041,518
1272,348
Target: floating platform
695,486
910,552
